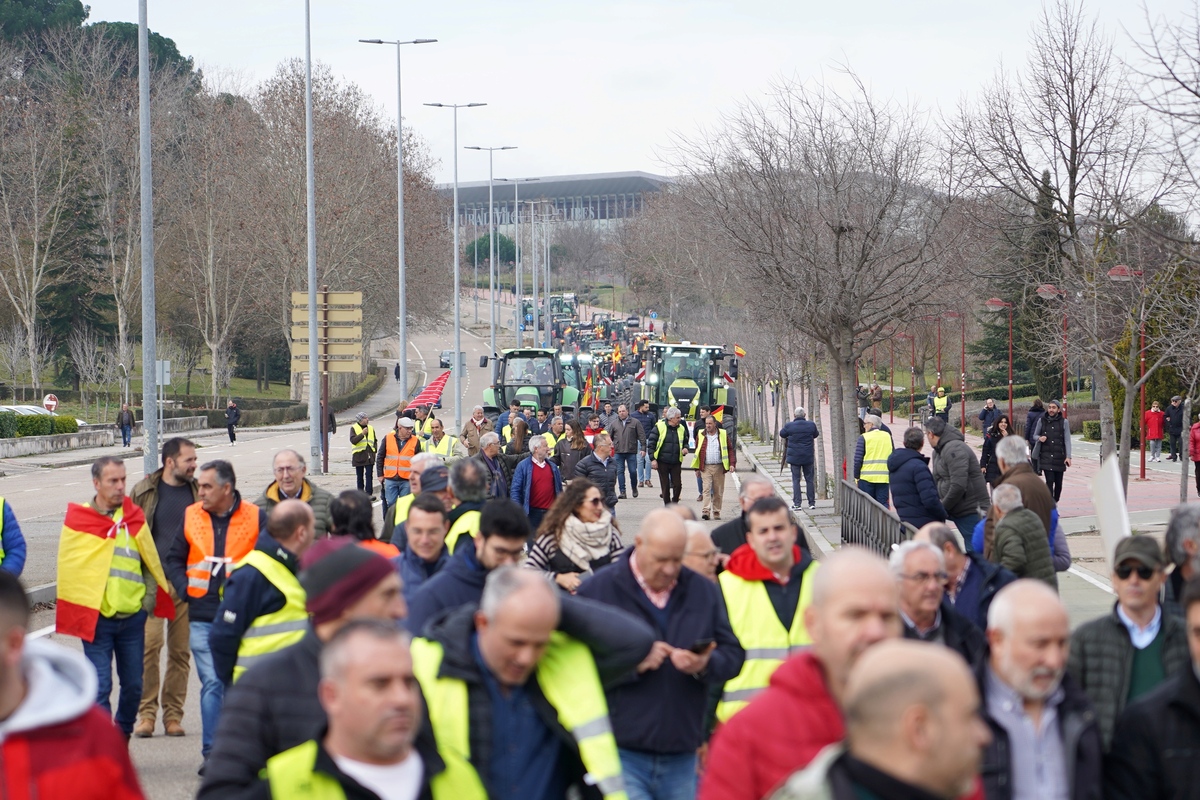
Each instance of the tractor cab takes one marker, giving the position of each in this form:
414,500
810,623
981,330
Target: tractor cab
533,377
563,305
687,376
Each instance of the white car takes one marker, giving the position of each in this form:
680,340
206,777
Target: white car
29,411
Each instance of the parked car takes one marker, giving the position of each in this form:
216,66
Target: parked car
29,411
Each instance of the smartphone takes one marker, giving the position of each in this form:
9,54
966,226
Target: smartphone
700,645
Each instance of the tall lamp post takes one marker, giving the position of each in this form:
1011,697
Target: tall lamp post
516,182
149,325
1048,291
491,239
403,315
1124,274
996,305
457,363
962,385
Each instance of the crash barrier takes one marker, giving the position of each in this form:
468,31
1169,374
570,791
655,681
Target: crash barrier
868,524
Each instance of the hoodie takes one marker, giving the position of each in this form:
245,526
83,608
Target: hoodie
784,598
58,744
779,732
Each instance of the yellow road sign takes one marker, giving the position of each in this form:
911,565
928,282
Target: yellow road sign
347,349
354,365
331,316
334,334
300,299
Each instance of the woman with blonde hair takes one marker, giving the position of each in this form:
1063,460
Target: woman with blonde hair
577,536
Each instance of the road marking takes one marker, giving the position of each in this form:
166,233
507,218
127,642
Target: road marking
33,490
1093,581
72,483
38,634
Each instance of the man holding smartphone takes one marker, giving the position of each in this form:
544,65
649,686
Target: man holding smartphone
658,719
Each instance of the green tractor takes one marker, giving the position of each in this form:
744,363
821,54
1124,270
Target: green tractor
563,305
533,376
687,376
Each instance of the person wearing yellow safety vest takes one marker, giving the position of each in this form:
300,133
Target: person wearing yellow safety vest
393,520
554,431
109,580
940,404
870,459
448,448
766,586
262,610
421,425
364,444
370,748
668,447
531,660
712,462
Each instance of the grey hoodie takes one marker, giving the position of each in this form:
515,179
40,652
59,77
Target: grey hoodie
62,687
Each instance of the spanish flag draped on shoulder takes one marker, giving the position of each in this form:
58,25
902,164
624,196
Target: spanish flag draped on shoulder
85,551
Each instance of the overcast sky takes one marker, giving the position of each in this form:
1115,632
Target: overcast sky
603,86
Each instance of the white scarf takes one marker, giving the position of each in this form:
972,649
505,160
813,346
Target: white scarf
585,542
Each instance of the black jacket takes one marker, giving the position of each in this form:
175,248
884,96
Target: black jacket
618,642
1057,447
273,708
800,436
987,458
1082,746
731,535
353,790
671,446
958,633
460,583
233,415
601,474
203,609
1174,418
662,711
248,595
1154,752
914,493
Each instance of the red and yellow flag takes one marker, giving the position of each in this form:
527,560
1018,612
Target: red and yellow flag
587,392
718,413
738,351
85,551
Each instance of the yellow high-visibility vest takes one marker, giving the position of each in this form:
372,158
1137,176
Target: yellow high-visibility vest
878,447
279,629
940,404
766,642
467,524
124,590
366,442
403,504
569,680
702,444
445,448
662,427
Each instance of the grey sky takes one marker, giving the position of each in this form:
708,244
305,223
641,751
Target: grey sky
602,86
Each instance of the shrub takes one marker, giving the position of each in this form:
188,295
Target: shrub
8,424
1091,430
35,425
65,425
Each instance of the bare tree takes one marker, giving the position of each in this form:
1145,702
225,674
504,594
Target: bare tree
837,204
14,356
84,349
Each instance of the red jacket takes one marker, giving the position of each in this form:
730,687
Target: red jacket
1152,424
779,732
1194,442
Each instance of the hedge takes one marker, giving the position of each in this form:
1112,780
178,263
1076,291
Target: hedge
997,393
1091,430
294,412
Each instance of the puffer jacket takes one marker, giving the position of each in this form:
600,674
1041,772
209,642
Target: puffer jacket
1056,450
987,458
1032,418
317,498
1153,751
1023,548
801,436
602,474
1194,442
1102,659
960,483
1034,496
914,494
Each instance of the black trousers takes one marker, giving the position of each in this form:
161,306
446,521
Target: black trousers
1054,479
671,478
232,435
364,476
1176,445
1196,464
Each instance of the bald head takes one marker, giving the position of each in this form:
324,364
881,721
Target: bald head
291,523
1022,602
681,511
517,614
659,548
1029,634
912,711
855,605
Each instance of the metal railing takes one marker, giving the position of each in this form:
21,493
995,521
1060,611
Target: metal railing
868,524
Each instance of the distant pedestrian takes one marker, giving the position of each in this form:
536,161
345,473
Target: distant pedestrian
862,396
800,438
125,422
363,446
393,462
713,460
577,537
1152,430
876,395
601,469
871,460
233,416
396,372
1032,417
1012,454
536,482
1174,419
988,415
991,437
1194,452
629,440
914,492
1020,545
642,414
1053,447
941,404
961,486
571,448
668,446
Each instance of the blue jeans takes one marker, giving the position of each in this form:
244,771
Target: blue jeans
212,691
124,640
966,526
126,435
393,490
877,490
807,471
627,461
643,465
651,776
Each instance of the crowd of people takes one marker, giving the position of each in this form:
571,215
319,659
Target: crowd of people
503,634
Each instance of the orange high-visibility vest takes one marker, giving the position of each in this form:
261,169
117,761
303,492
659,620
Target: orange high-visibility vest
396,460
198,529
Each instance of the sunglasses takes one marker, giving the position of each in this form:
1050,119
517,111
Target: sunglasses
594,501
1143,572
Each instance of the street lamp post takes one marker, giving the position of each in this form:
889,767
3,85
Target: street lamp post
892,380
457,363
996,305
516,182
491,240
149,325
403,313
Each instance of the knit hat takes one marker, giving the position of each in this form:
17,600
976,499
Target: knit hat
435,479
337,574
361,417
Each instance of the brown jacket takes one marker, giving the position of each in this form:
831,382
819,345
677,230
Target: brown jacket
470,434
1034,496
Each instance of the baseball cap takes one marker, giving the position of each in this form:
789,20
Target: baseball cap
435,479
1142,549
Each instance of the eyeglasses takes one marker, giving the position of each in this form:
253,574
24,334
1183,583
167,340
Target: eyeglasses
594,501
926,577
1125,570
705,554
286,470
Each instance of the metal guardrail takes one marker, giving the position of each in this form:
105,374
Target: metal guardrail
868,524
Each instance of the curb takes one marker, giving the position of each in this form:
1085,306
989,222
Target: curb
817,541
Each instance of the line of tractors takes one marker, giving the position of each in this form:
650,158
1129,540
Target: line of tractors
608,358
